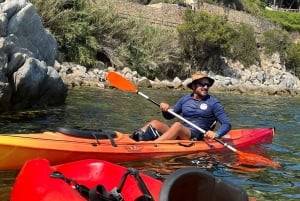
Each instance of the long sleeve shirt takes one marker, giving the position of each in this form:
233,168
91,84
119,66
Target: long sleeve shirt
203,113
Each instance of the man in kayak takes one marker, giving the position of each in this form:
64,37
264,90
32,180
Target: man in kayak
199,108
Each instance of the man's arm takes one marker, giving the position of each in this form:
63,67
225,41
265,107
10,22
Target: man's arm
223,119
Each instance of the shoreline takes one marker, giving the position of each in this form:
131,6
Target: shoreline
77,76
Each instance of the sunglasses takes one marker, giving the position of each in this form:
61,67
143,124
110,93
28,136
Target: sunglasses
203,84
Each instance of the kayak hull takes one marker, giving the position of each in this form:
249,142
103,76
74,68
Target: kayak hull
87,179
59,148
36,183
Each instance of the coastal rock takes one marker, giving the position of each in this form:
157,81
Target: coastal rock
177,83
251,81
27,55
144,82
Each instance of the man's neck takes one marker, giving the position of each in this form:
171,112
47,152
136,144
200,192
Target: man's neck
199,97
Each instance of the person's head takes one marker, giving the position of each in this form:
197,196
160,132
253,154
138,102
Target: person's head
200,83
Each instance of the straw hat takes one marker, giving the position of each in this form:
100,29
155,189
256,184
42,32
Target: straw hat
200,75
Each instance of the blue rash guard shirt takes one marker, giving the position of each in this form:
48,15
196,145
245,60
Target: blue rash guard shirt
203,113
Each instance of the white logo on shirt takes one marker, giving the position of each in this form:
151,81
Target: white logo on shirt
203,106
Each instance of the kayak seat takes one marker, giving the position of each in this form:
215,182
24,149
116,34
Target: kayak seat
116,193
87,133
194,184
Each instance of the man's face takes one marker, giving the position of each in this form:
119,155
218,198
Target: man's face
201,87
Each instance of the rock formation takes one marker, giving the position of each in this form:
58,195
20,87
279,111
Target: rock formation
27,55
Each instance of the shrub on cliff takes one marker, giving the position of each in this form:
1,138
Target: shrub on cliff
290,21
84,28
293,61
206,37
73,25
203,37
244,46
278,40
150,49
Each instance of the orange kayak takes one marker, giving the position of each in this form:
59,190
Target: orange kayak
61,147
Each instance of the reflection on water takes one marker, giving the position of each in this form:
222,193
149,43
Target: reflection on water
122,111
7,178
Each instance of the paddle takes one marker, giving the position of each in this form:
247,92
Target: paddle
122,83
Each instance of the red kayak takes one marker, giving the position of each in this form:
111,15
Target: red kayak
38,181
98,180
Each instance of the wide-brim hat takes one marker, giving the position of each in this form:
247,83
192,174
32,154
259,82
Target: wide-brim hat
198,76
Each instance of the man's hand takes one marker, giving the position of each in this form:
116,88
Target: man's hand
210,134
164,106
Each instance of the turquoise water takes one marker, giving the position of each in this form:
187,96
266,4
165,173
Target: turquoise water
125,111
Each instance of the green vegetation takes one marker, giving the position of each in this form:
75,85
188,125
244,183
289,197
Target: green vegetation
276,40
204,37
86,29
83,29
254,7
290,21
73,25
279,41
294,59
145,44
244,46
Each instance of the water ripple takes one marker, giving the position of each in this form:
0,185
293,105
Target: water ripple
122,111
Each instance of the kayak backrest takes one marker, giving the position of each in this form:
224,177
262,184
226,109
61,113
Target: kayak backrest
87,133
194,184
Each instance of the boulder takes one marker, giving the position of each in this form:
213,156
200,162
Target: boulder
27,54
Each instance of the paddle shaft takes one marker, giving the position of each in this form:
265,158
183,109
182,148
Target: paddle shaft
188,122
